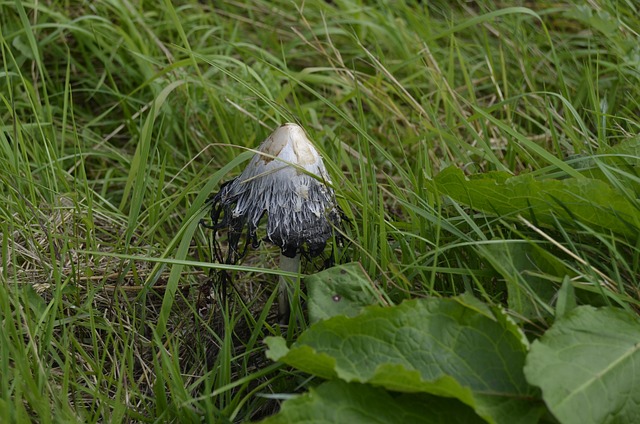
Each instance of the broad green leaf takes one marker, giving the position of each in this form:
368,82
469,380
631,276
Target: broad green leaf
340,402
588,201
456,348
341,290
588,366
522,266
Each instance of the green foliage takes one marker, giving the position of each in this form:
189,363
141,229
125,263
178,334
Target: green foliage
455,348
343,290
340,402
587,366
570,202
617,165
527,271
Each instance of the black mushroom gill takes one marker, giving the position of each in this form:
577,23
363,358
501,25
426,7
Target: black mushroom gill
286,180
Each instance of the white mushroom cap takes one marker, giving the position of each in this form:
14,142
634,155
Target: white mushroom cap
287,180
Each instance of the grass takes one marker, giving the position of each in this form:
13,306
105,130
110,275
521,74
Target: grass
118,119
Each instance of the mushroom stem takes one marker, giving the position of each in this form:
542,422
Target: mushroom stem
289,265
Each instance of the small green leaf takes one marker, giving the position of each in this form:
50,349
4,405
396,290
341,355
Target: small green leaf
277,347
448,347
341,290
600,20
522,267
35,301
588,366
340,402
305,357
587,201
566,298
21,46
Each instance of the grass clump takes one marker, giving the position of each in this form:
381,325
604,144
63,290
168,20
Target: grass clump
119,119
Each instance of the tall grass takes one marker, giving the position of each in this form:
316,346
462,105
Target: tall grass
118,119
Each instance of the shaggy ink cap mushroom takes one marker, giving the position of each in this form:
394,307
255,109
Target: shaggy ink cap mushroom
287,180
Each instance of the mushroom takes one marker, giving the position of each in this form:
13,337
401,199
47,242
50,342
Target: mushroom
287,180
